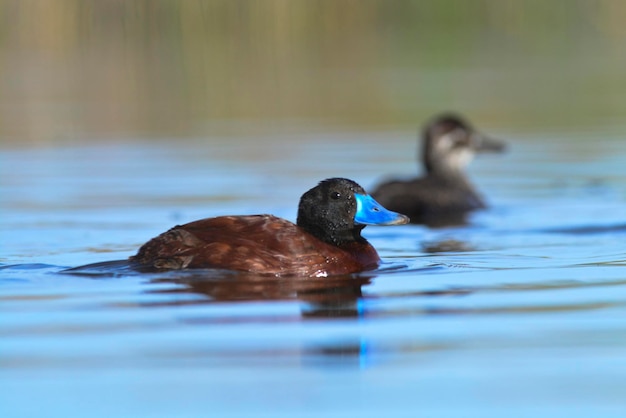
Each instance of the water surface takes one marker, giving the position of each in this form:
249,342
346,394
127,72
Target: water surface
520,313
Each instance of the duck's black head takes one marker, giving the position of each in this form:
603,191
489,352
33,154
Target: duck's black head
337,209
449,143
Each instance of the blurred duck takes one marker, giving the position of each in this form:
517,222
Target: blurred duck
326,240
443,196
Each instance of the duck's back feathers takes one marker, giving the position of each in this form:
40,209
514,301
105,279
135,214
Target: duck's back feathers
262,244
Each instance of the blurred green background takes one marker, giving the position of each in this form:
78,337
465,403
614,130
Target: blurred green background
83,69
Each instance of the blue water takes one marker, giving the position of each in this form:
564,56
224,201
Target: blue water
520,313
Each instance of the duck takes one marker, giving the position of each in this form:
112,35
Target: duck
326,239
443,196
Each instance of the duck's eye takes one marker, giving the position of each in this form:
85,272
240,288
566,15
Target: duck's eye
335,195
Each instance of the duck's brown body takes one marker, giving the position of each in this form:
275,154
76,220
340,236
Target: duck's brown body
261,244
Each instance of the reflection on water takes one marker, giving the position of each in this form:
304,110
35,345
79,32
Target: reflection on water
446,246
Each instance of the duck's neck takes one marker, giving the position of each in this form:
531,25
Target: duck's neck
364,253
338,238
450,174
447,166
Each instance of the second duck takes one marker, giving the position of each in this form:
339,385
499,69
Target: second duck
443,196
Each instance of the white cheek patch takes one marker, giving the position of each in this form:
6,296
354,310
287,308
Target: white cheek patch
455,157
461,158
444,143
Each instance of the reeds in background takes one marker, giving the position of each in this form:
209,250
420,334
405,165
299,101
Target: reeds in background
89,69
